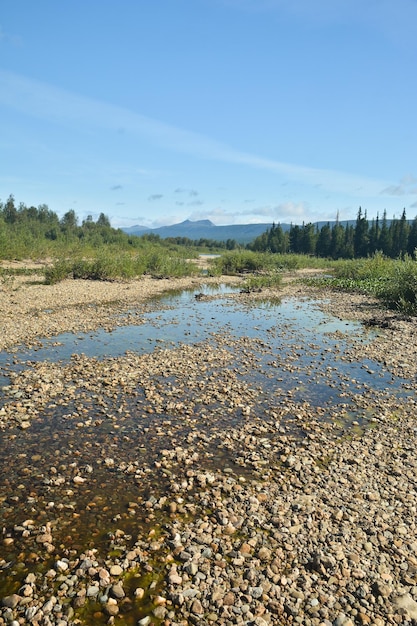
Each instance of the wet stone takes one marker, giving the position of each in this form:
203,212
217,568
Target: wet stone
256,476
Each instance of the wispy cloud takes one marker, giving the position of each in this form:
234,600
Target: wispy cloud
60,107
190,192
393,190
396,19
408,179
116,187
404,188
284,212
155,196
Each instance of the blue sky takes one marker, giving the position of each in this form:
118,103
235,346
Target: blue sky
237,111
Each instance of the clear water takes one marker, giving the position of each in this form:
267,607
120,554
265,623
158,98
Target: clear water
295,351
288,327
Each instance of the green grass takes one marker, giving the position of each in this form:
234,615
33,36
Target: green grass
107,265
265,281
245,261
392,281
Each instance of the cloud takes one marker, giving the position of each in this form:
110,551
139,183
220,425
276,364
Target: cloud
413,206
190,192
195,203
393,190
396,20
404,188
116,187
60,107
155,196
408,179
284,212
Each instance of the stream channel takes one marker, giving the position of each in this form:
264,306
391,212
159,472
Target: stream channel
282,352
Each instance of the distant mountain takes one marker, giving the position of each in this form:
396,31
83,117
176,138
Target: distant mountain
241,233
205,229
136,230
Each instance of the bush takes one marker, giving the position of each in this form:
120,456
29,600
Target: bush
393,281
57,272
400,289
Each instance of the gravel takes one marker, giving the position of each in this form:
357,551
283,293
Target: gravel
211,514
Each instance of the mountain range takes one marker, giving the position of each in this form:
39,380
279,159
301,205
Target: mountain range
205,229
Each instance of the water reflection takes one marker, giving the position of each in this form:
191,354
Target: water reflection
289,352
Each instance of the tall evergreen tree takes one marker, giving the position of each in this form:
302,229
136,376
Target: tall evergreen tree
399,236
295,239
9,211
374,236
361,237
338,236
324,241
384,243
308,239
412,238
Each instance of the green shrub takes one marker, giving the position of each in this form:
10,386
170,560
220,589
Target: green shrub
393,281
263,281
161,264
400,289
57,272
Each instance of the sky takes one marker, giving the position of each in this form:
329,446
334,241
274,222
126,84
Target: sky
237,111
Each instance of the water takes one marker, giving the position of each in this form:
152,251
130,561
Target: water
286,328
288,353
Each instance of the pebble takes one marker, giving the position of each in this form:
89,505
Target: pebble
317,531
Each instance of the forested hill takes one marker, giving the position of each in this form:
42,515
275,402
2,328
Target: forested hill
27,230
205,229
395,238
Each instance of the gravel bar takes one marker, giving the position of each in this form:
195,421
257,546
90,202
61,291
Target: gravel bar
210,514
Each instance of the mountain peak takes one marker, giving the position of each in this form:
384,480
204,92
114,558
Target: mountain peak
197,223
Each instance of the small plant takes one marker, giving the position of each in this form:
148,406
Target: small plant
263,281
57,272
400,289
7,279
393,281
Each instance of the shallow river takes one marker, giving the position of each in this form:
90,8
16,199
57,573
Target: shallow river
284,352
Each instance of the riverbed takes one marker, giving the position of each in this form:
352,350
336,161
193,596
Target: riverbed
209,457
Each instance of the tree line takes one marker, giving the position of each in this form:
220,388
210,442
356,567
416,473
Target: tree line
28,230
395,238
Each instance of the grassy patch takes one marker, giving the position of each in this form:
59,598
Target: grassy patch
392,281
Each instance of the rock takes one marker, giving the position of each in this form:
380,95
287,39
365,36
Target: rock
139,593
196,607
175,579
117,591
111,608
116,570
92,591
8,541
407,603
27,590
61,566
160,612
264,554
12,601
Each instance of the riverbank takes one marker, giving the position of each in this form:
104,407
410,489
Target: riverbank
154,489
